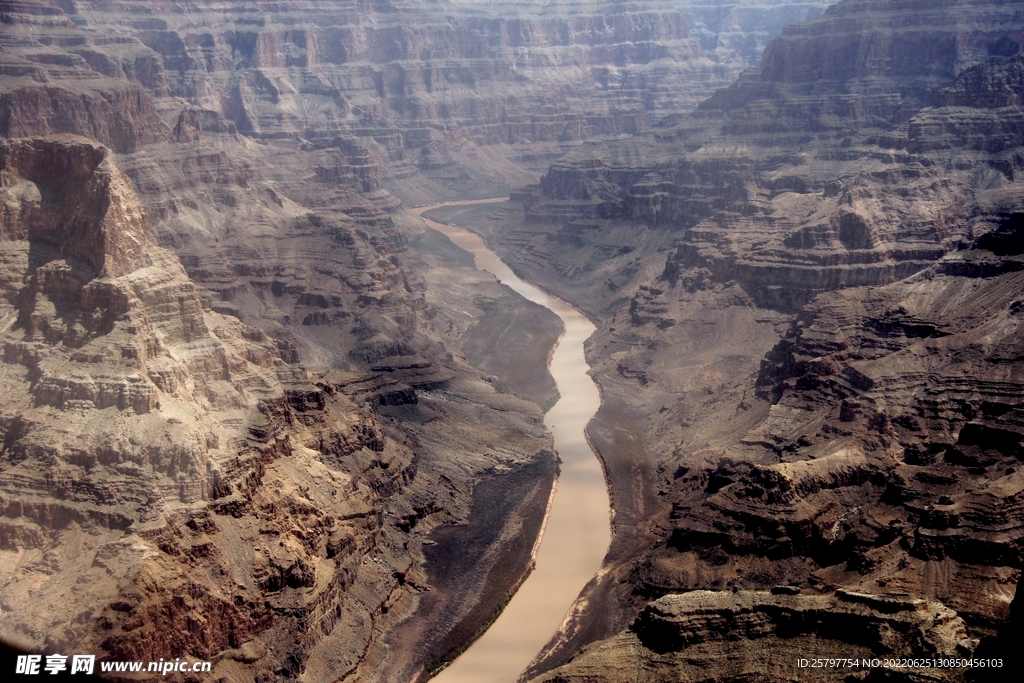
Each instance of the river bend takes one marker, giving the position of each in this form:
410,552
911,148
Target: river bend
577,531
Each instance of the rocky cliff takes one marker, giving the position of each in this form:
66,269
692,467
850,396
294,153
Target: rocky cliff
762,635
174,483
252,412
862,119
735,32
251,455
441,97
871,162
400,79
882,457
146,438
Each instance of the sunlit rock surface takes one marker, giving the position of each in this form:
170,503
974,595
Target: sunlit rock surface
866,174
241,385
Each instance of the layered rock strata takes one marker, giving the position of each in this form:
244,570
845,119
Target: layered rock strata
884,458
803,155
735,32
762,635
174,484
287,240
254,450
863,162
305,387
473,96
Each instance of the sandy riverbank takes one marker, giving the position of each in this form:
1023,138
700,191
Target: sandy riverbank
577,531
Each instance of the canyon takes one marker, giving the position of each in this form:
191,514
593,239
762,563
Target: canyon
576,528
256,411
795,320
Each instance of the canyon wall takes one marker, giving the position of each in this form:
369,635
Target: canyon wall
250,419
735,32
806,291
175,483
246,408
447,97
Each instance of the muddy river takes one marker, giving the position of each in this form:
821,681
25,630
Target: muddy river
577,531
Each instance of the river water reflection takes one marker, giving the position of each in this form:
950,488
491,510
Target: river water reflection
577,531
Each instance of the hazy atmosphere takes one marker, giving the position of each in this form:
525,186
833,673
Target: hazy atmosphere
536,341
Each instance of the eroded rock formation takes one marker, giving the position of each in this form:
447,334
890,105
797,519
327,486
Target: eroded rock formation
175,484
734,635
458,96
856,193
259,450
241,405
886,462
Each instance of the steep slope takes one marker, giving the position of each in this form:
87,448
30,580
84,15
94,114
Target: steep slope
889,465
173,484
270,149
785,131
871,143
289,257
706,635
144,433
473,95
735,32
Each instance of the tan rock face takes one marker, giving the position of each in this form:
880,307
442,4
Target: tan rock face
127,384
748,633
426,88
173,484
74,200
853,174
239,449
886,462
845,124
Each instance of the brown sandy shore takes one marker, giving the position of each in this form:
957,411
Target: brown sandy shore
615,435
